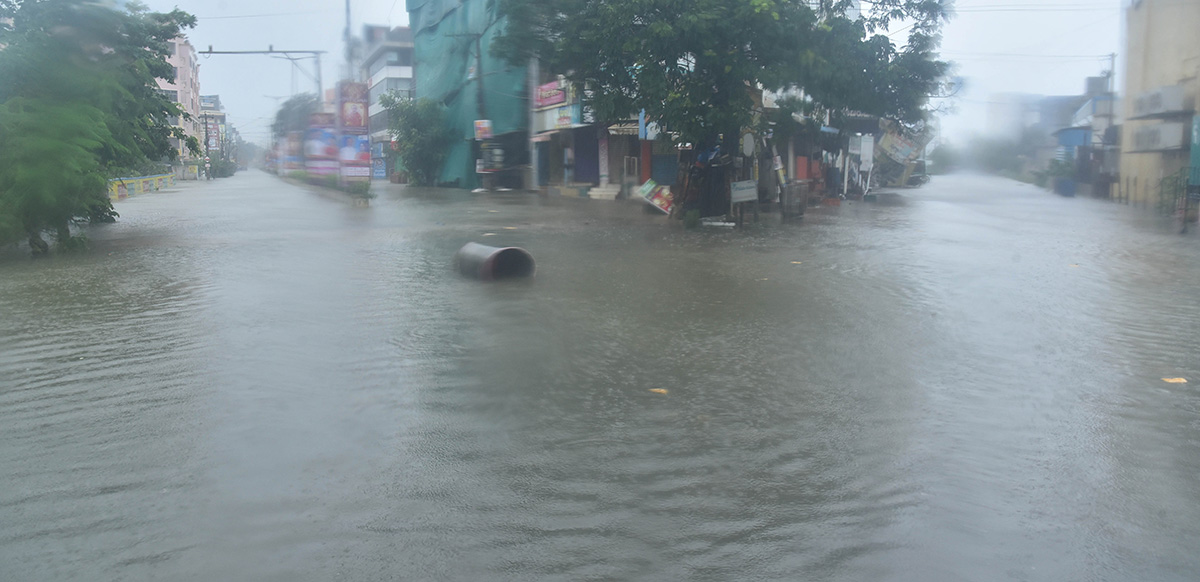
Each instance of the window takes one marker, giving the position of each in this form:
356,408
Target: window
400,84
172,96
378,122
376,66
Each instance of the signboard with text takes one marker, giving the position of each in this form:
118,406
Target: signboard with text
1160,137
491,157
549,95
744,191
1161,101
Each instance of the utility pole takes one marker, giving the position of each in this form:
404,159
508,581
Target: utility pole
479,75
349,49
534,73
480,105
479,95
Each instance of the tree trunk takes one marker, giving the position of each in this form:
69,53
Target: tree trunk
37,245
63,233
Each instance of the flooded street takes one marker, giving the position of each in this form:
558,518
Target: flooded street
243,380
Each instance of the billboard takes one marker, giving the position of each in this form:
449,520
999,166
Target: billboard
294,148
354,155
321,152
352,107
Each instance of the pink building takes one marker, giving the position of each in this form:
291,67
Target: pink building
185,90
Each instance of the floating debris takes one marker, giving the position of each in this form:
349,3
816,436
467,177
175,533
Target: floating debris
1175,380
659,390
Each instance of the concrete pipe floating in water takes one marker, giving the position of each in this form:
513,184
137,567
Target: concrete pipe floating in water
491,263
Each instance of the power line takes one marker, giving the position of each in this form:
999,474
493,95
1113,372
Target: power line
266,15
1026,55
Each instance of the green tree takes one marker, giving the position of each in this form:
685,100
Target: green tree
80,101
695,66
294,114
422,139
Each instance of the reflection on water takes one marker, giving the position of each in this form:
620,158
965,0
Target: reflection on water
246,381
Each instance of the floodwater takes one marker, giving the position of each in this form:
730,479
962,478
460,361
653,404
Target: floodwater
246,381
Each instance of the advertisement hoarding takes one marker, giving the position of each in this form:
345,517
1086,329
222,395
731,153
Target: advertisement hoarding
352,107
354,155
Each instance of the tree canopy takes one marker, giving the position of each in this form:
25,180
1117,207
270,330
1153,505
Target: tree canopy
422,139
294,114
79,102
695,66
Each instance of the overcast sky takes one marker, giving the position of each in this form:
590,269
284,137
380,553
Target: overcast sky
1028,46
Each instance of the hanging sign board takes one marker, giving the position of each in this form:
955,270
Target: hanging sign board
483,129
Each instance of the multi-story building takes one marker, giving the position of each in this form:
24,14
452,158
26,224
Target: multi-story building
212,120
1162,82
454,65
387,66
185,91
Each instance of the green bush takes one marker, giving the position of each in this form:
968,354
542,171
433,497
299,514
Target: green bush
358,189
223,168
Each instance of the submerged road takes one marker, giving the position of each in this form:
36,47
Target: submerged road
243,380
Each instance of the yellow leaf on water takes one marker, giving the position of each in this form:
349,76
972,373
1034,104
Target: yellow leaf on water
796,263
659,390
493,211
1076,266
489,234
1175,380
510,228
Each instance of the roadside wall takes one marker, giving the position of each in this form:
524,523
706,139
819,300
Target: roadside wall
121,188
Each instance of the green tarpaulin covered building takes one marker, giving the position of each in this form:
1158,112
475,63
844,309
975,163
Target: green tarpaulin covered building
447,38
